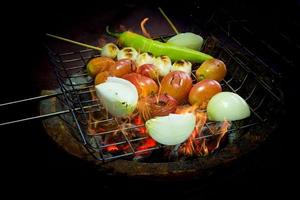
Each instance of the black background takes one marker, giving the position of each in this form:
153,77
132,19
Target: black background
32,159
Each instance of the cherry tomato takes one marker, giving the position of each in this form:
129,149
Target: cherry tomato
99,64
148,70
203,91
211,69
156,105
145,85
122,67
176,84
101,77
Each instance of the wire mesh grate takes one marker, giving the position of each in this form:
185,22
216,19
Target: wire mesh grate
78,96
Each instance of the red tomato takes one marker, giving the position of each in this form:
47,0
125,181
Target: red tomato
176,84
99,64
157,105
101,77
122,67
203,91
145,85
211,69
148,70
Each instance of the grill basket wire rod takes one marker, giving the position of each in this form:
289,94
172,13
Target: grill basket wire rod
32,99
38,98
44,116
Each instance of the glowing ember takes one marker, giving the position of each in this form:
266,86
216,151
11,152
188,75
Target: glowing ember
148,144
139,122
112,148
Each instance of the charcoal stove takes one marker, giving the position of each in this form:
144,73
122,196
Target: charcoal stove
248,76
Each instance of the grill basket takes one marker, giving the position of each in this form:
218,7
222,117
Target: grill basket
247,76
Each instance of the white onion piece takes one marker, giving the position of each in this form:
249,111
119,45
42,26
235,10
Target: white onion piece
144,58
128,53
182,65
189,40
162,65
118,96
172,129
227,106
110,50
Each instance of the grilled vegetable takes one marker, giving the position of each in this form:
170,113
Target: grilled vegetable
122,67
172,129
110,50
144,58
227,106
211,69
99,64
119,96
162,65
156,105
145,85
148,70
157,48
127,53
101,77
176,84
189,40
203,91
182,65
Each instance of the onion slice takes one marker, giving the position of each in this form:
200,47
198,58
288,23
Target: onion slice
188,39
227,106
172,129
118,96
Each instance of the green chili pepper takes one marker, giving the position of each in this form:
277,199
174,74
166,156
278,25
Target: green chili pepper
158,48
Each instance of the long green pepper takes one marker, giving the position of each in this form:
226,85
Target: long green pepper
157,48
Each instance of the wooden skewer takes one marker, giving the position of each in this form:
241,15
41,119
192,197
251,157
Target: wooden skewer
168,20
74,42
98,48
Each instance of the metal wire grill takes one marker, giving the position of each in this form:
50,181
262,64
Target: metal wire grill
77,87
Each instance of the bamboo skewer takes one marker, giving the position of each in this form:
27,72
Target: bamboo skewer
74,42
168,20
100,49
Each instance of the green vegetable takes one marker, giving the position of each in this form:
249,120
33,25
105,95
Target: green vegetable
172,129
118,96
189,40
157,48
227,106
